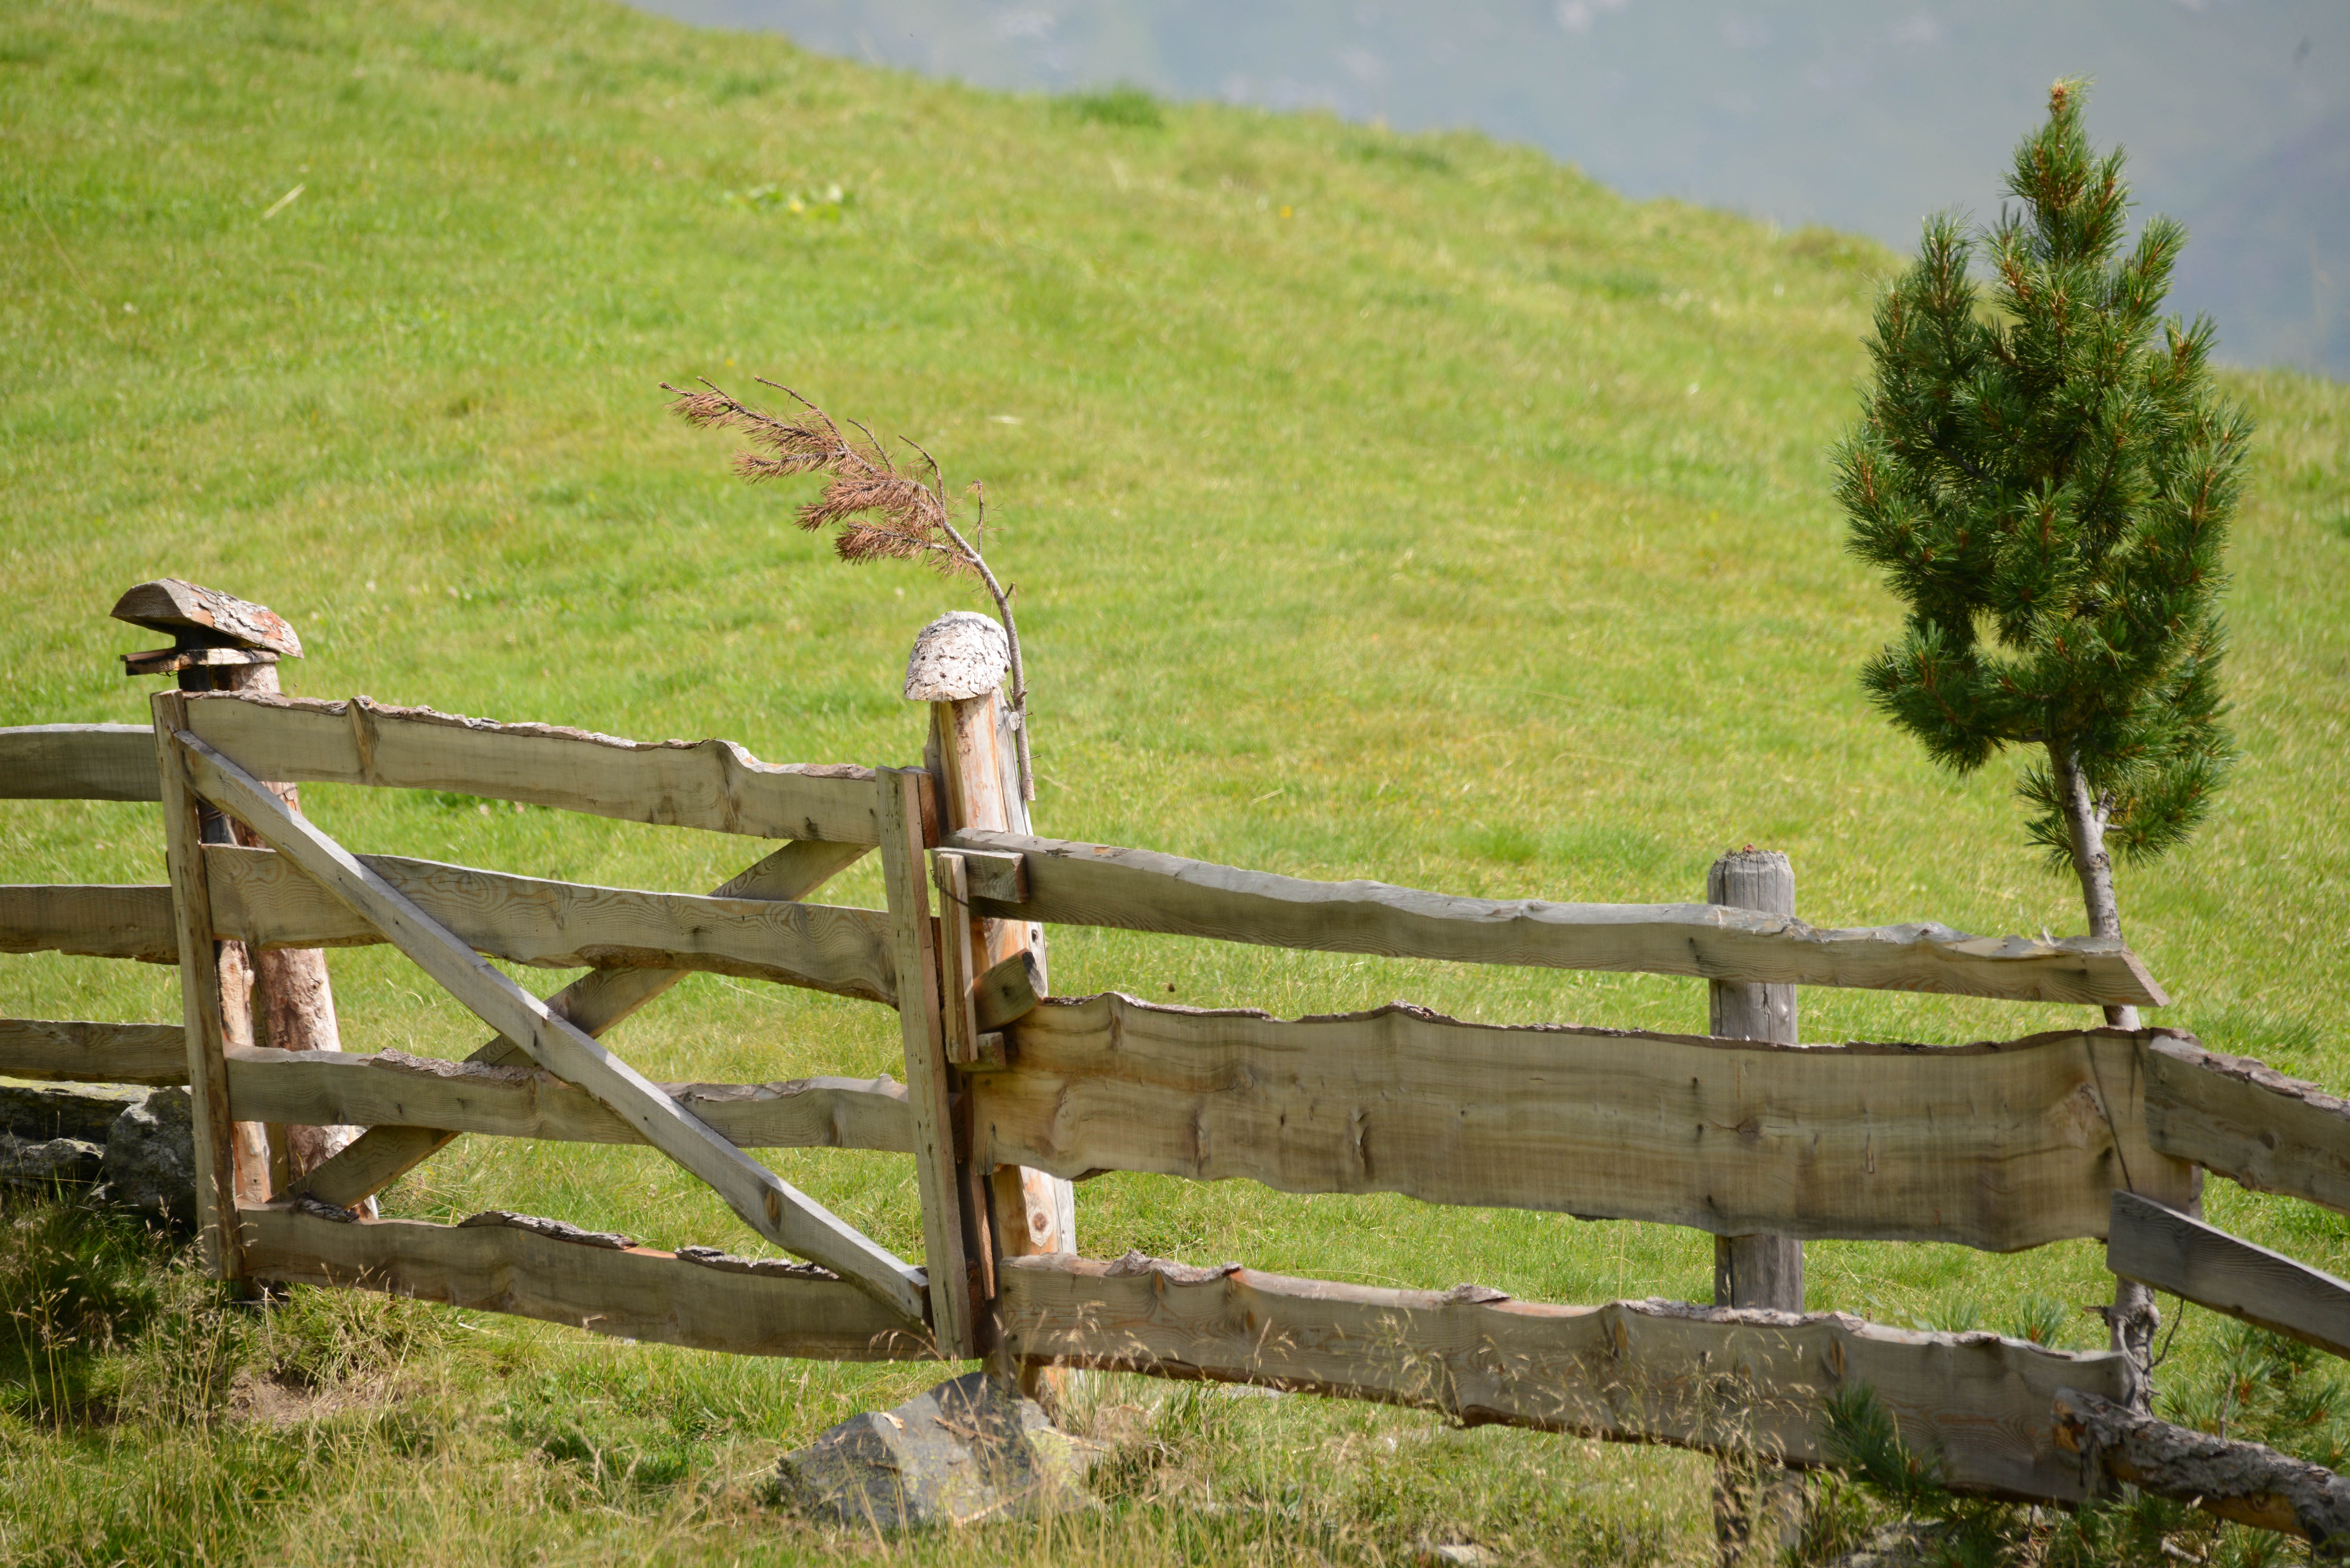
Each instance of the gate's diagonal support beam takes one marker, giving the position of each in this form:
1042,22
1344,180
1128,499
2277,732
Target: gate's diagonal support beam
594,1003
770,1205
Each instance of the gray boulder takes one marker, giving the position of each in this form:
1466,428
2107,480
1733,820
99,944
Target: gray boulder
49,1163
40,1112
967,1451
150,1157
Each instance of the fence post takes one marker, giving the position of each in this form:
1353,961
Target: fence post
958,666
281,998
1755,1519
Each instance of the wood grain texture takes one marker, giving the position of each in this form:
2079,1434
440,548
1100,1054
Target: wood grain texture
2248,1122
2176,1253
268,902
636,1293
67,1051
2001,1147
1701,1377
769,1204
595,1002
392,1088
1763,1270
207,616
131,921
714,785
1137,889
922,1030
204,1024
78,762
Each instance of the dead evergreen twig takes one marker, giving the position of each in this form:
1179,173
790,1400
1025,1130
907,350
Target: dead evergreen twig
878,511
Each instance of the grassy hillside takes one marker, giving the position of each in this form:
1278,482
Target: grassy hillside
1407,508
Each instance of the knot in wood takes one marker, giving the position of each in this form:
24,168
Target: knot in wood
962,654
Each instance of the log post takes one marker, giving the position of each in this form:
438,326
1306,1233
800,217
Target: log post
957,666
283,998
1755,1519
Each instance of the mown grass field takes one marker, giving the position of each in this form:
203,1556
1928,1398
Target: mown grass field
1407,508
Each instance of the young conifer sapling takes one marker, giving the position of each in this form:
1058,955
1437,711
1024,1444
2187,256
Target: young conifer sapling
2045,477
877,509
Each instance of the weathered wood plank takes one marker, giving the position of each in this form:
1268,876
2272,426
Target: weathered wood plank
131,921
2172,1252
221,1159
714,785
264,899
2248,1122
769,1204
392,1088
636,1293
68,1051
78,762
1137,889
1703,1377
595,1002
2001,1147
922,1030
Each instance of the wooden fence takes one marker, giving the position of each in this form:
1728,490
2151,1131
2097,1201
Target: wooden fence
1011,1092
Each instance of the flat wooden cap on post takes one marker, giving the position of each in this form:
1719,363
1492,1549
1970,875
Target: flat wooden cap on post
208,628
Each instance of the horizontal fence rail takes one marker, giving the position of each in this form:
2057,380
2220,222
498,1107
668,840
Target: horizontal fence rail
714,785
2001,1147
390,1088
2248,1123
1059,882
74,1051
78,762
261,898
1661,1372
126,921
598,1281
2177,1252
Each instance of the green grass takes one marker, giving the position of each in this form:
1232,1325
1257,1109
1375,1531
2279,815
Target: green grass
1397,507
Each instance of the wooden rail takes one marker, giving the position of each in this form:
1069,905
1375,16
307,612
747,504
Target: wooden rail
1703,1377
1137,889
390,1088
75,1052
714,785
599,1282
261,898
78,762
2001,1147
131,921
2248,1122
2178,1253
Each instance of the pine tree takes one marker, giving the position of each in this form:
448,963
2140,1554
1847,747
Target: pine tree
2046,478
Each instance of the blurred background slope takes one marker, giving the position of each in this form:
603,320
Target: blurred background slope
1857,115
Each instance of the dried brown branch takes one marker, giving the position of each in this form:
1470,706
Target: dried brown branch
877,509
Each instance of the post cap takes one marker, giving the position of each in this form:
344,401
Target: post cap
960,654
206,618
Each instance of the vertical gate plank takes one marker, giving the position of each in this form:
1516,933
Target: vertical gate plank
904,839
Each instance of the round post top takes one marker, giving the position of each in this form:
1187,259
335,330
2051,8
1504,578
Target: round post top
962,654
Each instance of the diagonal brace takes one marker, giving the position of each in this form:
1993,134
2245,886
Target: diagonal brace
771,1206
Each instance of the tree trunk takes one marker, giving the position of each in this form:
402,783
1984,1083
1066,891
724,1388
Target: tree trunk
2131,1321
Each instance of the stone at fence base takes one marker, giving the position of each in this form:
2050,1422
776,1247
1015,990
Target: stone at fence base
39,1112
51,1163
150,1158
967,1451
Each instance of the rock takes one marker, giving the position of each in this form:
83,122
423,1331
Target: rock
48,1162
1908,1545
1459,1555
150,1157
84,1111
967,1451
